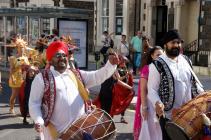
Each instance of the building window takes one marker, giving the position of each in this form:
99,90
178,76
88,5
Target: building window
171,18
145,5
105,15
143,29
144,17
46,25
119,17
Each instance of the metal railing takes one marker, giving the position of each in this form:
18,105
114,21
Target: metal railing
197,56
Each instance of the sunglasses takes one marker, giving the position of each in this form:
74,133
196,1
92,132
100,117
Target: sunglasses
58,55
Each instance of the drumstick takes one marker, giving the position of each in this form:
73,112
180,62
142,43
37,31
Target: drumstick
41,136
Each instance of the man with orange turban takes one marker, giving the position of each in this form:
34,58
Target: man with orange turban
56,97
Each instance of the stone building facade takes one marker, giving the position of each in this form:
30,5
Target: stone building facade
192,18
117,16
205,32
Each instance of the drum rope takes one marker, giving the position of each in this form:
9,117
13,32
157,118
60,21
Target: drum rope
100,121
97,122
79,128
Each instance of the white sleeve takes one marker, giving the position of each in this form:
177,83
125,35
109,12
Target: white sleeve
35,99
94,78
200,89
153,84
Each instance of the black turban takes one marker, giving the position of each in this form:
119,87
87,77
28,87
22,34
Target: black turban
171,35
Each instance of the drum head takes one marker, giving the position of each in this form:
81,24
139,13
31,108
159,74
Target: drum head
176,132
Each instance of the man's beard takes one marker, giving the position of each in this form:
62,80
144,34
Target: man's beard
174,52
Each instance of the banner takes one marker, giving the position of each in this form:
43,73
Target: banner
77,29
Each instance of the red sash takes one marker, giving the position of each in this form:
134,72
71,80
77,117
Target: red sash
49,96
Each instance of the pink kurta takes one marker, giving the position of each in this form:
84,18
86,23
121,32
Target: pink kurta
144,72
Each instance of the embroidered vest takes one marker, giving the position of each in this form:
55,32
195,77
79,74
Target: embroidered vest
49,97
167,88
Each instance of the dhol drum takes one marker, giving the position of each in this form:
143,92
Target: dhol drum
98,124
187,121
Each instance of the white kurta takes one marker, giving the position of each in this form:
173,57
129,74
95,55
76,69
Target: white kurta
150,128
69,105
123,49
182,82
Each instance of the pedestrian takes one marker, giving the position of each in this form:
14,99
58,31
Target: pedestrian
107,43
55,35
123,47
136,50
144,122
171,80
55,101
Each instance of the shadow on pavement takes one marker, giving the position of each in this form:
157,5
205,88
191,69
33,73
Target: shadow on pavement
15,126
124,136
6,116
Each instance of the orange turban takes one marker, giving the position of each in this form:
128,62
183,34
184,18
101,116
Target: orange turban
54,47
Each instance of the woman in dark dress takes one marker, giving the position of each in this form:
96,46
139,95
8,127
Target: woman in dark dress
27,89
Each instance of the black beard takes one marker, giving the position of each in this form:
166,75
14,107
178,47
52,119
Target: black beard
174,52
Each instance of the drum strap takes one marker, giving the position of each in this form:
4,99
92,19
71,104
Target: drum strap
84,95
82,90
52,130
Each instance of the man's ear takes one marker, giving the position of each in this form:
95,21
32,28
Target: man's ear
165,46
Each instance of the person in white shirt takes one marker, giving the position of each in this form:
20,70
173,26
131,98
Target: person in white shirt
123,47
57,101
107,43
171,81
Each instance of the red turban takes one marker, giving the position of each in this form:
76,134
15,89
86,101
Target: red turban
54,47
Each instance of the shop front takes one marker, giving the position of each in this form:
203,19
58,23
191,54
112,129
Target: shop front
30,23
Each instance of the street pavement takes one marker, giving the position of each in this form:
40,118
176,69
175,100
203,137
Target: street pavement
11,127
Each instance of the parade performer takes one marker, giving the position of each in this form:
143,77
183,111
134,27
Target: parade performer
55,91
144,123
31,71
171,80
115,95
16,74
122,96
145,58
39,59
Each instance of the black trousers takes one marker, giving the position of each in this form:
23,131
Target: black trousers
163,122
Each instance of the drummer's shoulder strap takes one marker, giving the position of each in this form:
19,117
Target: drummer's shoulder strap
166,87
188,60
194,79
79,84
